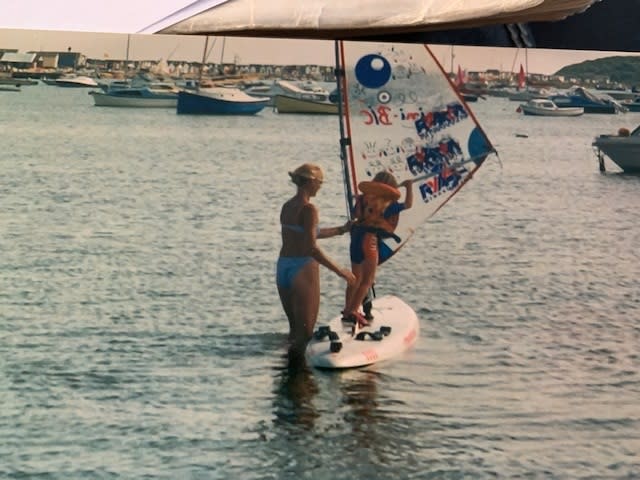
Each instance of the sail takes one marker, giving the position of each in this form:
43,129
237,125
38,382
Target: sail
549,24
402,114
339,19
460,78
522,78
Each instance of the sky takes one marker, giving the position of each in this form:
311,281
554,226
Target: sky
57,25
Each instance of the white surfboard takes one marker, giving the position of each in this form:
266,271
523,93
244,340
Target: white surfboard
394,329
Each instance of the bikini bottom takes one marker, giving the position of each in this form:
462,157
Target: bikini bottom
287,269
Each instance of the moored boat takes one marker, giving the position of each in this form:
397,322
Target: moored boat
527,94
547,108
74,81
581,97
632,105
139,97
219,101
623,149
288,104
307,91
15,82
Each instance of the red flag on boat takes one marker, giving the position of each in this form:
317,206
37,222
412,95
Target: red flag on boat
522,78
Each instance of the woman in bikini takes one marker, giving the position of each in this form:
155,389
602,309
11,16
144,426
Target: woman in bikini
298,275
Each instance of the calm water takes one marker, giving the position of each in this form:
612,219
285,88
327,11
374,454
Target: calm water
141,335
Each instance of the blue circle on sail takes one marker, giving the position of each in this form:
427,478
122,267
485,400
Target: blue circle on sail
373,71
478,145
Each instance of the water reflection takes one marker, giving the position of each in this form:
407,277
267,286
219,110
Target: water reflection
346,403
294,392
360,395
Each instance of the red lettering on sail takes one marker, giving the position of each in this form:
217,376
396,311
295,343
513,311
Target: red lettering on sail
383,115
378,116
369,117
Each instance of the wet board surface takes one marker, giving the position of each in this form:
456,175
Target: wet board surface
394,329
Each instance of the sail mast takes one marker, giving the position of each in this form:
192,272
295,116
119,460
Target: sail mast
344,141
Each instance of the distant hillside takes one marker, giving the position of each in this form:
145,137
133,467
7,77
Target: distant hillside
625,70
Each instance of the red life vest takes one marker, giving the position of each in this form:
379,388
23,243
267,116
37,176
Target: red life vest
371,205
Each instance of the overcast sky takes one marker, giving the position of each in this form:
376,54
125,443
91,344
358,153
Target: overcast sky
30,24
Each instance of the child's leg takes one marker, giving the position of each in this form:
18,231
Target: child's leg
367,273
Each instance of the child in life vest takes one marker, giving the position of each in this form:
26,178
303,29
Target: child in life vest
375,217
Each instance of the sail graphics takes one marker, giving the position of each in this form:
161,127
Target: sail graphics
402,114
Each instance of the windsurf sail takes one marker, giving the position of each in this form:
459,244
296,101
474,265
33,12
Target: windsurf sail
402,114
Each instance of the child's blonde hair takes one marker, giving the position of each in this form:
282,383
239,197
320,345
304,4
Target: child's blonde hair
387,178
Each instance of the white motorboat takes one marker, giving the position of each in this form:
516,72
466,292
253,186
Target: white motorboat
75,81
310,91
623,149
158,95
547,108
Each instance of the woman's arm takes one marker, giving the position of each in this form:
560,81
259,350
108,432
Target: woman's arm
329,232
310,223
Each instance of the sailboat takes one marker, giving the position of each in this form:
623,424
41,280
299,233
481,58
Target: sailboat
522,78
400,113
460,85
218,100
524,91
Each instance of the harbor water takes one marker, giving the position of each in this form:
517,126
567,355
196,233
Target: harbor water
141,334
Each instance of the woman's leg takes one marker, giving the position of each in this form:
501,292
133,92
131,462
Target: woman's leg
305,304
285,299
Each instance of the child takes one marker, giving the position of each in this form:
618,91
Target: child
375,215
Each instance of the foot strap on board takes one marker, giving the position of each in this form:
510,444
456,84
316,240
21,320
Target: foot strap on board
376,336
322,332
325,331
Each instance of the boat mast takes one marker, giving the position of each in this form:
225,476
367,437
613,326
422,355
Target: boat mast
126,61
526,68
452,57
515,59
224,40
204,58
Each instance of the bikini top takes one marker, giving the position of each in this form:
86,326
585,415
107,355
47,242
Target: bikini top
296,228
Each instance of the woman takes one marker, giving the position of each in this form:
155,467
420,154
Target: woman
298,275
